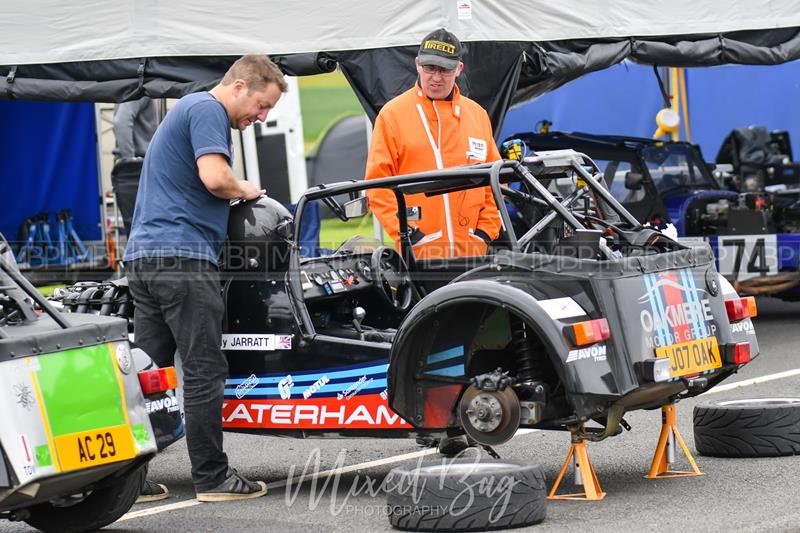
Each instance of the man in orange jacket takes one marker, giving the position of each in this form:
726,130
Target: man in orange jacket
433,126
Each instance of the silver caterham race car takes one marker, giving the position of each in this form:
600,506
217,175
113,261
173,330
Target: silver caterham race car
578,313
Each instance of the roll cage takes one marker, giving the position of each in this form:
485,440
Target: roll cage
18,295
589,206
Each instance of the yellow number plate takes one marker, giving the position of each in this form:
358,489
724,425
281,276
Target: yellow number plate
692,356
96,447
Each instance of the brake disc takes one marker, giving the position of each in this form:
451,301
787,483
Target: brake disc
489,417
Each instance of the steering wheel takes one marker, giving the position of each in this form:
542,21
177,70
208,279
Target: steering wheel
392,278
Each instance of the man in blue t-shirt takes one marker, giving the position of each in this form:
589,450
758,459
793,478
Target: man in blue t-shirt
179,226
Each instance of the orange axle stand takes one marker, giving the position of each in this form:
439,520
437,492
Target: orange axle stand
584,474
659,468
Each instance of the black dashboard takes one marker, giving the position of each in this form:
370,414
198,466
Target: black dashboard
333,276
334,286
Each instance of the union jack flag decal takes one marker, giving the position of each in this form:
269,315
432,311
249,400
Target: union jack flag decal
284,342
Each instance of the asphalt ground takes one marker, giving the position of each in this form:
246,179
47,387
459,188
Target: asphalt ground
743,495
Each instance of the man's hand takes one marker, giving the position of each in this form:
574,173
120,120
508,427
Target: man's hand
250,191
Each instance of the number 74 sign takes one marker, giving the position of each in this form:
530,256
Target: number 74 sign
747,256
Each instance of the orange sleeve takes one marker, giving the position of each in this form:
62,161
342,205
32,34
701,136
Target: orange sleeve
382,162
489,219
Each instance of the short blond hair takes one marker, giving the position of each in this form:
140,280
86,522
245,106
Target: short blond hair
257,71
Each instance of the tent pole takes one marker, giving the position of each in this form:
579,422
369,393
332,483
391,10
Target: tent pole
250,155
674,94
684,98
98,136
161,110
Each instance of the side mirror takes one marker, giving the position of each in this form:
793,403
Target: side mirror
356,208
285,229
633,180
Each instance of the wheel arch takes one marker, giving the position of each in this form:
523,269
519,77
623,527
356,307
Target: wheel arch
430,334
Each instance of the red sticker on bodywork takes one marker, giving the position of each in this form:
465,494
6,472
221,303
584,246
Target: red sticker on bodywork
439,402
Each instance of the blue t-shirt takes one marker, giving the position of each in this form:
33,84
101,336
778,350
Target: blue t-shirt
175,215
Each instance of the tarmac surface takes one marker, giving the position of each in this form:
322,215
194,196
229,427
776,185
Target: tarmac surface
743,495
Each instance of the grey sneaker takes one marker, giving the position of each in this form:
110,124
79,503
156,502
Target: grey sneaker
236,487
152,492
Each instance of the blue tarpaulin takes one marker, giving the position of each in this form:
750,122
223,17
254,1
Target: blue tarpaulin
624,100
49,163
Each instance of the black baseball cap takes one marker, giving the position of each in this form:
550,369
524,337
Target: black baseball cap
440,48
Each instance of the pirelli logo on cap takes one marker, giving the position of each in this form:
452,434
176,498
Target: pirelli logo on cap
439,45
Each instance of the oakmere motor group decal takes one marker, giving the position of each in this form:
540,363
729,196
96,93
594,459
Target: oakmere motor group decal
351,397
675,309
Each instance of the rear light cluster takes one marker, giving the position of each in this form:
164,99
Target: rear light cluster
587,332
738,353
741,308
158,381
656,370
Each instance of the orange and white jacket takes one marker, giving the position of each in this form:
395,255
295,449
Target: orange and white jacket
413,134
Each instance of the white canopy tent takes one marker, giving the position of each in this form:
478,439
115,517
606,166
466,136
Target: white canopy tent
53,31
105,51
97,50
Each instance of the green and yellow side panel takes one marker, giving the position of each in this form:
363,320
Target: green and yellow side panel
72,410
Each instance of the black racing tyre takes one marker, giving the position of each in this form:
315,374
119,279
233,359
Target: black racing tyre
759,427
100,508
466,495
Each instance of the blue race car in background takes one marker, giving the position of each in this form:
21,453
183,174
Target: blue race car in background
754,238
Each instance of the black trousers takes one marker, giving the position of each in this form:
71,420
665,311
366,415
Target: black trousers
125,183
179,306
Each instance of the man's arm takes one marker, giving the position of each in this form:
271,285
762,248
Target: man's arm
218,178
489,218
381,162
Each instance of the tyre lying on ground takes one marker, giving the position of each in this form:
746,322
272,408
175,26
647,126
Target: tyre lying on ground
758,427
466,495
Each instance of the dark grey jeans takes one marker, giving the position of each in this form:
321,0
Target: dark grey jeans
179,305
